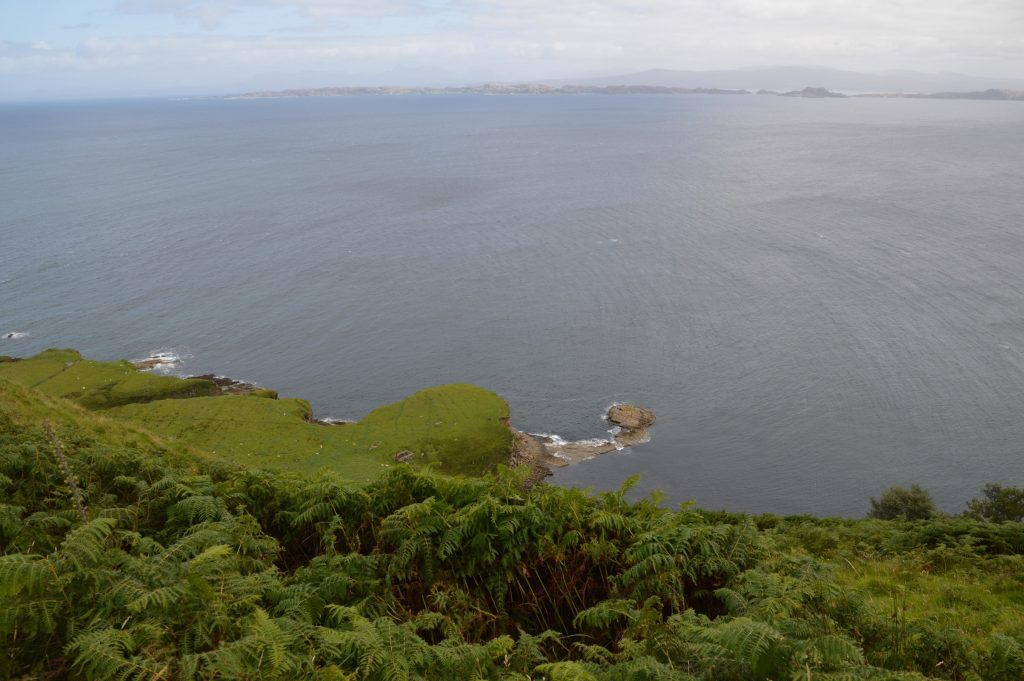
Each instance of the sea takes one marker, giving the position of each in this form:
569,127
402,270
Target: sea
819,298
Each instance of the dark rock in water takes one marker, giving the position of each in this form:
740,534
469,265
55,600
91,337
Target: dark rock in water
530,450
544,452
405,456
229,386
630,416
156,361
219,380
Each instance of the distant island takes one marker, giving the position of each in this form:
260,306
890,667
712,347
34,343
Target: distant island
490,89
995,95
809,92
812,93
777,79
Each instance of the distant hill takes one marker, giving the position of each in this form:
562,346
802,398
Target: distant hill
794,78
490,89
542,89
810,92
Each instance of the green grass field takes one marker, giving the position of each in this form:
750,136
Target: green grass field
98,385
456,428
27,407
459,428
974,596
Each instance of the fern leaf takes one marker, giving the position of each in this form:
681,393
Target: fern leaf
564,671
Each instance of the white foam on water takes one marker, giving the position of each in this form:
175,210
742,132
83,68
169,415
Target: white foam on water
165,361
554,439
236,381
14,335
593,442
607,410
556,442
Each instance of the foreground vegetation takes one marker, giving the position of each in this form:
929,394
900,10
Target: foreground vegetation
458,428
126,556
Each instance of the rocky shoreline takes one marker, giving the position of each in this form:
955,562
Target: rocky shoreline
161,362
543,453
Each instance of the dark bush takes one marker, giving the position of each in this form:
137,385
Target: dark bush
999,504
899,502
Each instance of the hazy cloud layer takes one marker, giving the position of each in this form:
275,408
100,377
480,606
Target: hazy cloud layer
106,45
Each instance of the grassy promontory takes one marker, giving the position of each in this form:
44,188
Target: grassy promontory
457,428
98,385
127,554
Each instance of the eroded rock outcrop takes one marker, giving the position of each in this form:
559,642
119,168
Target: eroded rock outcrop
229,386
544,452
630,417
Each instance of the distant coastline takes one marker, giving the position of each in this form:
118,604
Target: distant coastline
542,89
489,89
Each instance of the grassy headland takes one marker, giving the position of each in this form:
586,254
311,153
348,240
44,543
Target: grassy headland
460,428
457,428
98,385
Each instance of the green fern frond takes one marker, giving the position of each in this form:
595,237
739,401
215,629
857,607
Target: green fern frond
564,671
112,654
750,641
85,545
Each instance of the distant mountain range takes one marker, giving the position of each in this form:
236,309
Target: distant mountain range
820,92
490,89
791,81
540,89
790,78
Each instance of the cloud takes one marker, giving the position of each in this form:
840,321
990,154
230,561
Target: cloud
21,57
655,27
214,12
227,40
206,13
357,8
13,50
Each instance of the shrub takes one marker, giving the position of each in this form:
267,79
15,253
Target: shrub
899,502
1000,504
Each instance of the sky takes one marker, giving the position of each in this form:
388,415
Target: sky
102,48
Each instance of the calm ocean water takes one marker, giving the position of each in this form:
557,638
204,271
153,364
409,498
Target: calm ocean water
819,298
